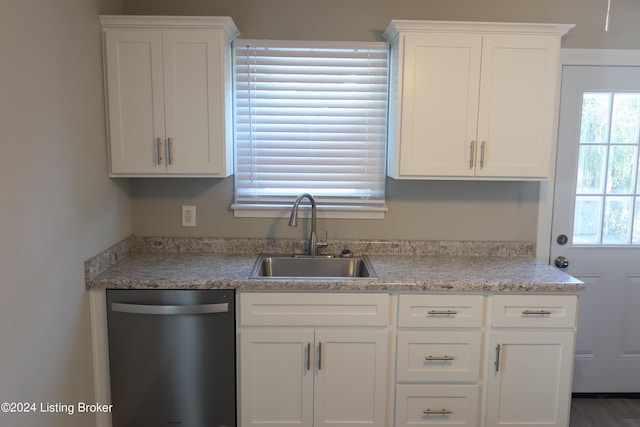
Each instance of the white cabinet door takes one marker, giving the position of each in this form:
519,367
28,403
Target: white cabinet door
194,109
135,100
351,380
439,104
529,378
518,94
276,377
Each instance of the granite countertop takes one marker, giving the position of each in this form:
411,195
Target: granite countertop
153,263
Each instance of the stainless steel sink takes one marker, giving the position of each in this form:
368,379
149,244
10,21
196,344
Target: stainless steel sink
312,267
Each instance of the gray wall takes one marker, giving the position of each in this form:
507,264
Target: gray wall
366,19
58,207
417,210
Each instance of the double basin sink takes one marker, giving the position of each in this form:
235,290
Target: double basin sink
301,267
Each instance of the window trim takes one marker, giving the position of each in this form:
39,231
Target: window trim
246,210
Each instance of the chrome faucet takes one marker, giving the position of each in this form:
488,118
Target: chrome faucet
293,222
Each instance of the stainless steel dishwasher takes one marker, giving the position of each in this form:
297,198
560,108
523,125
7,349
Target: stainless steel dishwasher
172,357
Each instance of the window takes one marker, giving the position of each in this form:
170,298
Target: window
310,117
607,205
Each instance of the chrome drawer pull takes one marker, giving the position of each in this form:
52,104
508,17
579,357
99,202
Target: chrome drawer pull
437,412
438,358
441,312
538,312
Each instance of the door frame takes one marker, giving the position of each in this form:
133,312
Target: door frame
586,57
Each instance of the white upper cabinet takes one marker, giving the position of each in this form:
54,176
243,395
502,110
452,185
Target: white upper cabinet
168,85
473,100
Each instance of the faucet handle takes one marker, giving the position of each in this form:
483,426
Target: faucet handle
321,244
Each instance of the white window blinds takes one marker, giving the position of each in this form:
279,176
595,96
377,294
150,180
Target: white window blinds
310,117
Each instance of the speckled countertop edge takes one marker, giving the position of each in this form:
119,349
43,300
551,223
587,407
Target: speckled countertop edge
402,265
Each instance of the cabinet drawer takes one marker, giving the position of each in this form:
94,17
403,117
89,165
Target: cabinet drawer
314,309
535,311
438,356
436,405
435,311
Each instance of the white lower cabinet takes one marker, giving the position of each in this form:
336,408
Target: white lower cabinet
320,359
511,367
439,344
313,375
529,383
276,386
531,347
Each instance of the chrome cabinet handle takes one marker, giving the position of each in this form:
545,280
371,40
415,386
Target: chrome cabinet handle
497,363
441,312
120,307
472,150
482,154
538,312
437,412
320,355
170,149
438,358
159,150
308,356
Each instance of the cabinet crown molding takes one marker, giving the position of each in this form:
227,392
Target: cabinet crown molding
191,22
400,25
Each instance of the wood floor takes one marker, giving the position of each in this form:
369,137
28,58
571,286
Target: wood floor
605,412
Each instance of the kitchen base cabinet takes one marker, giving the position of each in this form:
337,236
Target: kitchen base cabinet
276,377
530,351
313,372
439,344
321,359
530,383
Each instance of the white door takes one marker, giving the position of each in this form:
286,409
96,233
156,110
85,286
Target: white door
528,384
597,208
440,104
276,379
192,75
517,92
136,101
351,380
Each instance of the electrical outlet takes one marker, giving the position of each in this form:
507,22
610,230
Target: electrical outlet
188,216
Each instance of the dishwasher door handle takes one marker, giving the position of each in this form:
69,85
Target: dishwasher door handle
170,309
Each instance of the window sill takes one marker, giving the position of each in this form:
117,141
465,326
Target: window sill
328,212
